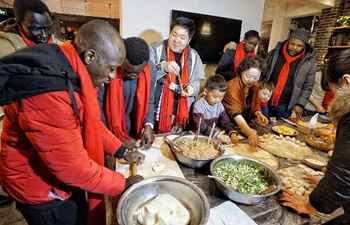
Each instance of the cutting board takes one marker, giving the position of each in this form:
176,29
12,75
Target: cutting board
253,152
159,161
293,178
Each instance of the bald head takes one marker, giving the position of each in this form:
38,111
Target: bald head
101,48
100,36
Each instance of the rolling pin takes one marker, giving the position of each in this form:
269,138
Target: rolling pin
132,166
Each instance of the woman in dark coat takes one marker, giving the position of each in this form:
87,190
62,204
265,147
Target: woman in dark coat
333,191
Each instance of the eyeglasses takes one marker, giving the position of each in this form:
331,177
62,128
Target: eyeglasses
131,74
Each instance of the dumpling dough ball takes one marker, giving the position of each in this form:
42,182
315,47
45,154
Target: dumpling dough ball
164,210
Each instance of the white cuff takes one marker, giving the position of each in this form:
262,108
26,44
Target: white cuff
149,124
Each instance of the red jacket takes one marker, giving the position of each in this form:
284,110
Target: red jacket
42,151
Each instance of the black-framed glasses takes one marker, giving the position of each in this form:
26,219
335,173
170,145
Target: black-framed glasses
131,74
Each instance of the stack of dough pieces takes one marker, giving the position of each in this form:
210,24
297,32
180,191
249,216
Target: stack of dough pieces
164,210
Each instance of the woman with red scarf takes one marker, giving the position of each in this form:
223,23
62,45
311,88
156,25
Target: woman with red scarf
230,60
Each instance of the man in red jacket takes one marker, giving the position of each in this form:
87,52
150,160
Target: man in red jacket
53,139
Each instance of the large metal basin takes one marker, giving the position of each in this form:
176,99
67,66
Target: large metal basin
191,196
249,199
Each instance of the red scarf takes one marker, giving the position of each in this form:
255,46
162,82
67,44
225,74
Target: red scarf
282,77
241,54
27,41
168,96
91,132
115,103
262,104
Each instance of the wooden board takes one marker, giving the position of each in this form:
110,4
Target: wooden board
285,147
157,156
294,177
253,152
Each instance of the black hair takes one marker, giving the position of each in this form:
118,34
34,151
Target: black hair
216,82
185,23
252,61
269,85
137,50
20,7
336,67
251,34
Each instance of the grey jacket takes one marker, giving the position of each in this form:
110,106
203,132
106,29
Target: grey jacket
195,69
304,78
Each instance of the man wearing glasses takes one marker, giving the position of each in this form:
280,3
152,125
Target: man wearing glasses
127,102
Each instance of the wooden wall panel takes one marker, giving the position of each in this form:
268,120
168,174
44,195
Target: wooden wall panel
73,11
97,7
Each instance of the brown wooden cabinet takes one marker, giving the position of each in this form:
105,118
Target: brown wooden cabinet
340,38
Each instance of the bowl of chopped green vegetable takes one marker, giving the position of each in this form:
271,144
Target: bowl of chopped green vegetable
245,180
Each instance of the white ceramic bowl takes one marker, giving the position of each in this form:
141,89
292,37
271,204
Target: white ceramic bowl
315,161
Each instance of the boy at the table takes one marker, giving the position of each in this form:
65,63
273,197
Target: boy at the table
210,110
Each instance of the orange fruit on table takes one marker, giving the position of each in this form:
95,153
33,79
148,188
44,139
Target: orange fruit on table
300,122
331,136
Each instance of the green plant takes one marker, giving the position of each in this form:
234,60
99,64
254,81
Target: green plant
343,19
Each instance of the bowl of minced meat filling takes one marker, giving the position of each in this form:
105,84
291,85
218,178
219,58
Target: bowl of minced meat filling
196,153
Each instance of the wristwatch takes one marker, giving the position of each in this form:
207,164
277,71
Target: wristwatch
160,65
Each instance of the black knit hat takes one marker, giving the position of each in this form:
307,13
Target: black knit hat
302,34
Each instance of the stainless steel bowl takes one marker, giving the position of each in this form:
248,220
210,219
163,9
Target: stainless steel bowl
249,199
192,162
191,196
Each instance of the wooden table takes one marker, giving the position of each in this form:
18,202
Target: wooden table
270,211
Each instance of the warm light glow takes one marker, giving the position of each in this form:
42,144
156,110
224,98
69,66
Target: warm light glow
206,29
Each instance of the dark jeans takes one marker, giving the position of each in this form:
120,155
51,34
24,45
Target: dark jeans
68,212
280,111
